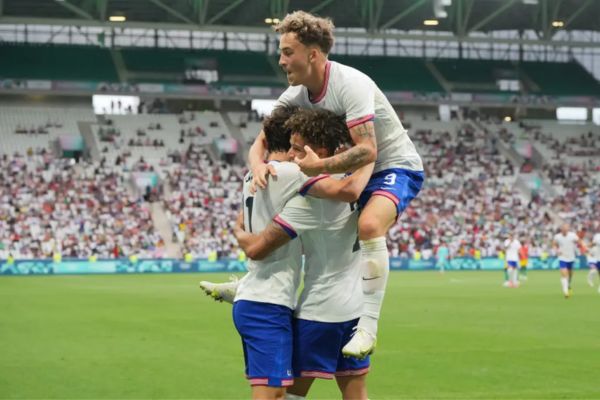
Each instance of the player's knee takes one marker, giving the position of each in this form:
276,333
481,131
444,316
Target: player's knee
369,228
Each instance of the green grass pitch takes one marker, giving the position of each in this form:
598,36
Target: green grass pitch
453,336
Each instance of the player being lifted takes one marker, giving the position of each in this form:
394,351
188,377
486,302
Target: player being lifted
378,135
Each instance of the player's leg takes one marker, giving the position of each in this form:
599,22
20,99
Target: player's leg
351,372
523,271
266,332
570,268
388,193
268,393
300,388
353,387
506,275
564,278
592,273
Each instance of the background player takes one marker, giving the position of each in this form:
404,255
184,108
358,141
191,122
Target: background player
512,246
565,242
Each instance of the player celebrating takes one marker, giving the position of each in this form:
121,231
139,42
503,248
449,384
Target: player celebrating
565,242
331,300
378,135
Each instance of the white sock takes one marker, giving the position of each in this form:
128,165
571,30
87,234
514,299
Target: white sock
289,396
376,265
565,285
591,274
515,276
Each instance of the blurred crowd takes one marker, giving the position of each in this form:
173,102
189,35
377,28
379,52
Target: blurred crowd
469,202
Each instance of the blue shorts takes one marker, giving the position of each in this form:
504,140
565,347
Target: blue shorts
594,264
512,264
266,331
318,350
397,184
565,264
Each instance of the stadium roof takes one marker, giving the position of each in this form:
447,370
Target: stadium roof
462,16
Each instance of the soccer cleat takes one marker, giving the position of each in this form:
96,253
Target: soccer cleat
221,291
361,345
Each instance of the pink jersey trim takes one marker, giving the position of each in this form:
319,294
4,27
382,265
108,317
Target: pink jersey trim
316,374
265,382
324,89
386,194
306,187
355,122
352,372
286,227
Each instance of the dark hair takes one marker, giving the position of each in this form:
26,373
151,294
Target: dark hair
277,134
320,128
309,29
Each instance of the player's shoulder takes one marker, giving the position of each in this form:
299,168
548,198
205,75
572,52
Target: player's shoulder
291,93
348,74
286,171
285,167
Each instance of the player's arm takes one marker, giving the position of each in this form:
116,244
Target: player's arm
256,157
347,189
362,153
257,246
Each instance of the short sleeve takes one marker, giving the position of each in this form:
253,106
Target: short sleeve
289,98
298,217
358,97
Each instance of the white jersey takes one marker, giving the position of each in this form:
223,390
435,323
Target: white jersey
512,249
594,255
566,246
350,92
332,271
275,279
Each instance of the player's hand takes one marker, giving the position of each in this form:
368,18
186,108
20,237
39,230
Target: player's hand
311,164
259,176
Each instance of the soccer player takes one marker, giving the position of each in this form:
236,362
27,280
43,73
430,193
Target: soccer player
378,135
331,300
594,260
266,296
263,298
523,259
442,255
512,246
565,242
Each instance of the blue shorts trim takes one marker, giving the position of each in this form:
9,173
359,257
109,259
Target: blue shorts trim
512,264
397,184
565,264
266,331
318,350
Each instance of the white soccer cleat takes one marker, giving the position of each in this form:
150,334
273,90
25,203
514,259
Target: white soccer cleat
361,345
221,291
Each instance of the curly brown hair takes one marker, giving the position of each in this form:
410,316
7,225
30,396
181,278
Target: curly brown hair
320,128
276,133
309,29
